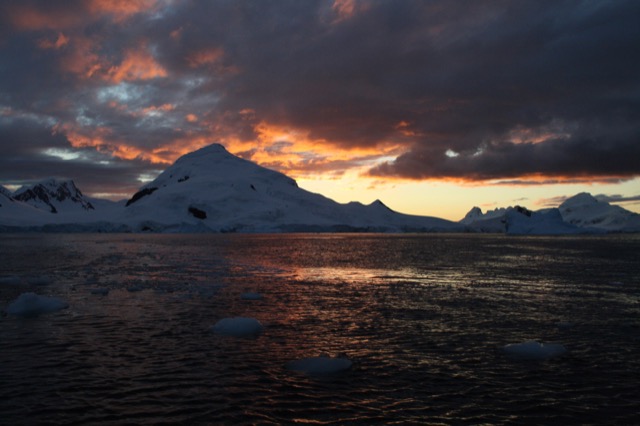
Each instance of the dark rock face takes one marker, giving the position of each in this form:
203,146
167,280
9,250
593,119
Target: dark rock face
140,194
523,210
64,191
197,213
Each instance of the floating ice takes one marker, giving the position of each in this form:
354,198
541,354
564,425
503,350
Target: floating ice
11,280
320,365
251,296
532,350
238,327
102,291
32,305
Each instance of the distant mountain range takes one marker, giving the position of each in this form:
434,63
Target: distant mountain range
211,190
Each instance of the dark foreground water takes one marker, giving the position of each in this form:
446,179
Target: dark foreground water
424,319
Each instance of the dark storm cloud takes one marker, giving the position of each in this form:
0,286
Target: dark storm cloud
494,90
38,151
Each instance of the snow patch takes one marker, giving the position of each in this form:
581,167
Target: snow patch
32,305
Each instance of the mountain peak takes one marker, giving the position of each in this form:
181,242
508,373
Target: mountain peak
4,191
51,193
581,199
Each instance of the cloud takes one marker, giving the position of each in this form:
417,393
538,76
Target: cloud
605,198
499,92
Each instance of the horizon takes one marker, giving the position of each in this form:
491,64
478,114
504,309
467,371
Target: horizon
550,203
432,108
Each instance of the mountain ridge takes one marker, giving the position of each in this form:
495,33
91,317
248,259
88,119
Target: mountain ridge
212,190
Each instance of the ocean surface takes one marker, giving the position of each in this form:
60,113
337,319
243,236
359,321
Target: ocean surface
423,318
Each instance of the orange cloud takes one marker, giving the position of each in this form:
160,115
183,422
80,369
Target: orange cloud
81,59
345,9
101,138
296,153
204,57
62,40
121,10
29,19
137,64
191,118
162,108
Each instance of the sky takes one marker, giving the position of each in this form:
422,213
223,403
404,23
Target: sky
432,107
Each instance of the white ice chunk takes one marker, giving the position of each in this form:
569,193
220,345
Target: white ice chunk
101,291
238,327
11,280
32,305
320,365
251,296
532,350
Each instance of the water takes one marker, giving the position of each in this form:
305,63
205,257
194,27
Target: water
423,317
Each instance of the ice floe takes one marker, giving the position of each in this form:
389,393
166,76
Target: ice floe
32,305
320,365
535,351
238,327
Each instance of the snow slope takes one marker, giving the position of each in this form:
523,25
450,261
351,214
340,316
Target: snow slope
213,190
55,205
519,221
586,211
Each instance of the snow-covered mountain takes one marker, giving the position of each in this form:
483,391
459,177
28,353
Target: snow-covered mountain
5,196
519,221
586,211
213,190
53,195
4,192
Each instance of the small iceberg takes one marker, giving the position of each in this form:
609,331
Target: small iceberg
535,351
238,327
32,305
320,365
251,296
